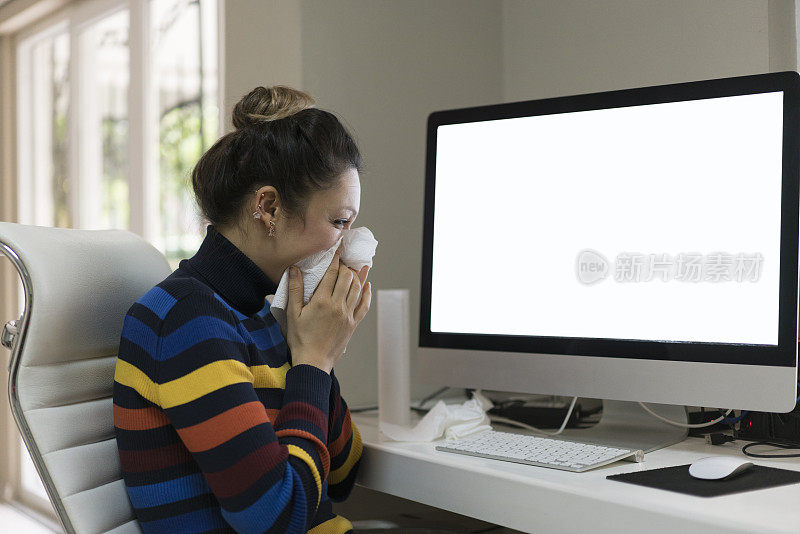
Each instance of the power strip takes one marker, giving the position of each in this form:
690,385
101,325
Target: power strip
706,416
757,426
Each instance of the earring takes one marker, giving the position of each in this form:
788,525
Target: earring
257,215
271,229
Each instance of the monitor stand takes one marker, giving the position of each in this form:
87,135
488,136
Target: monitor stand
626,424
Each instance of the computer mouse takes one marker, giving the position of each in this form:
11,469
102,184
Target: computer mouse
719,467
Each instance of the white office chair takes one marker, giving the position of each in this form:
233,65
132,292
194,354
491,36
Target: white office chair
78,286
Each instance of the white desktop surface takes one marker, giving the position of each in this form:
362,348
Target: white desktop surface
543,500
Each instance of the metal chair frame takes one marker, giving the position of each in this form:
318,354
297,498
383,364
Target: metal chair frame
16,341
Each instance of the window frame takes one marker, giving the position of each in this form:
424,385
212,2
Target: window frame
143,176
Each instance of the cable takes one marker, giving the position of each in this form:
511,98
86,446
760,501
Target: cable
433,396
512,422
731,422
772,443
362,409
684,425
587,413
718,438
418,409
735,420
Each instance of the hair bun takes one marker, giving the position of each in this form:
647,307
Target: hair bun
265,104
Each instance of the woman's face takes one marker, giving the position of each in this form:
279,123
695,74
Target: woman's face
327,215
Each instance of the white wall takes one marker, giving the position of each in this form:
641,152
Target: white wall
261,46
556,48
383,66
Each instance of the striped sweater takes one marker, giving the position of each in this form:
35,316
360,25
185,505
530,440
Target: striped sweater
216,430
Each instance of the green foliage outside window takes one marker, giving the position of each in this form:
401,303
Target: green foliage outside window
184,136
116,206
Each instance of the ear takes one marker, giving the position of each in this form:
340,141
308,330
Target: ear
267,201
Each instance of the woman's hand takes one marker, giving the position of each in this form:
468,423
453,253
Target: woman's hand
318,332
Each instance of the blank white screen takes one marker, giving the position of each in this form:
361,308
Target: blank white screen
516,200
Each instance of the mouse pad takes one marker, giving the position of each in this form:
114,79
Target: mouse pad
678,479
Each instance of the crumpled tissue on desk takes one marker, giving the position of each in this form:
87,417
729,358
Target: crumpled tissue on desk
455,421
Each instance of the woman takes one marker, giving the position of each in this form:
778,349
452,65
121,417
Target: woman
222,424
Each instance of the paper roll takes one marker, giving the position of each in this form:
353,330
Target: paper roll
394,375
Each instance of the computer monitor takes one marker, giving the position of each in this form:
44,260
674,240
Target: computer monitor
631,245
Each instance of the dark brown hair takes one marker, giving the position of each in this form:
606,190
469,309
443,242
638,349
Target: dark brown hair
281,140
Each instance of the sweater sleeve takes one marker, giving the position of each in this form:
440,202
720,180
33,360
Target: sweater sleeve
344,445
266,474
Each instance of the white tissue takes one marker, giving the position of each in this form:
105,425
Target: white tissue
358,248
455,421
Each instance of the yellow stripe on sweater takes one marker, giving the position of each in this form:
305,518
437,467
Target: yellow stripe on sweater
334,525
130,375
202,381
337,475
269,377
294,450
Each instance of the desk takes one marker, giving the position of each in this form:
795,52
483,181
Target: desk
542,500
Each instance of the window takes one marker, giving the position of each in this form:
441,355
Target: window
42,133
117,99
188,113
103,72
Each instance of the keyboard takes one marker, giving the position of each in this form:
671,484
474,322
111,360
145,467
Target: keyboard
539,451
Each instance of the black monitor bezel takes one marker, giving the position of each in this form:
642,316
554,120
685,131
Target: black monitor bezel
783,355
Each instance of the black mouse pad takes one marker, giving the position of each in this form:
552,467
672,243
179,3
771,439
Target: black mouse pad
678,479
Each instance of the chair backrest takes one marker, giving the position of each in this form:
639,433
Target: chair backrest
78,286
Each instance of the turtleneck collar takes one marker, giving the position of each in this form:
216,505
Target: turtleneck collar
228,271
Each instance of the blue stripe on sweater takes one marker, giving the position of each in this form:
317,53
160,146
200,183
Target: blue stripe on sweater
239,315
168,491
195,331
192,522
261,515
265,338
158,301
191,333
140,334
276,334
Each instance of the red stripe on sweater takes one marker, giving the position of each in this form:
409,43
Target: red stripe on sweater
153,459
335,416
324,456
223,427
244,473
338,445
303,410
139,419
